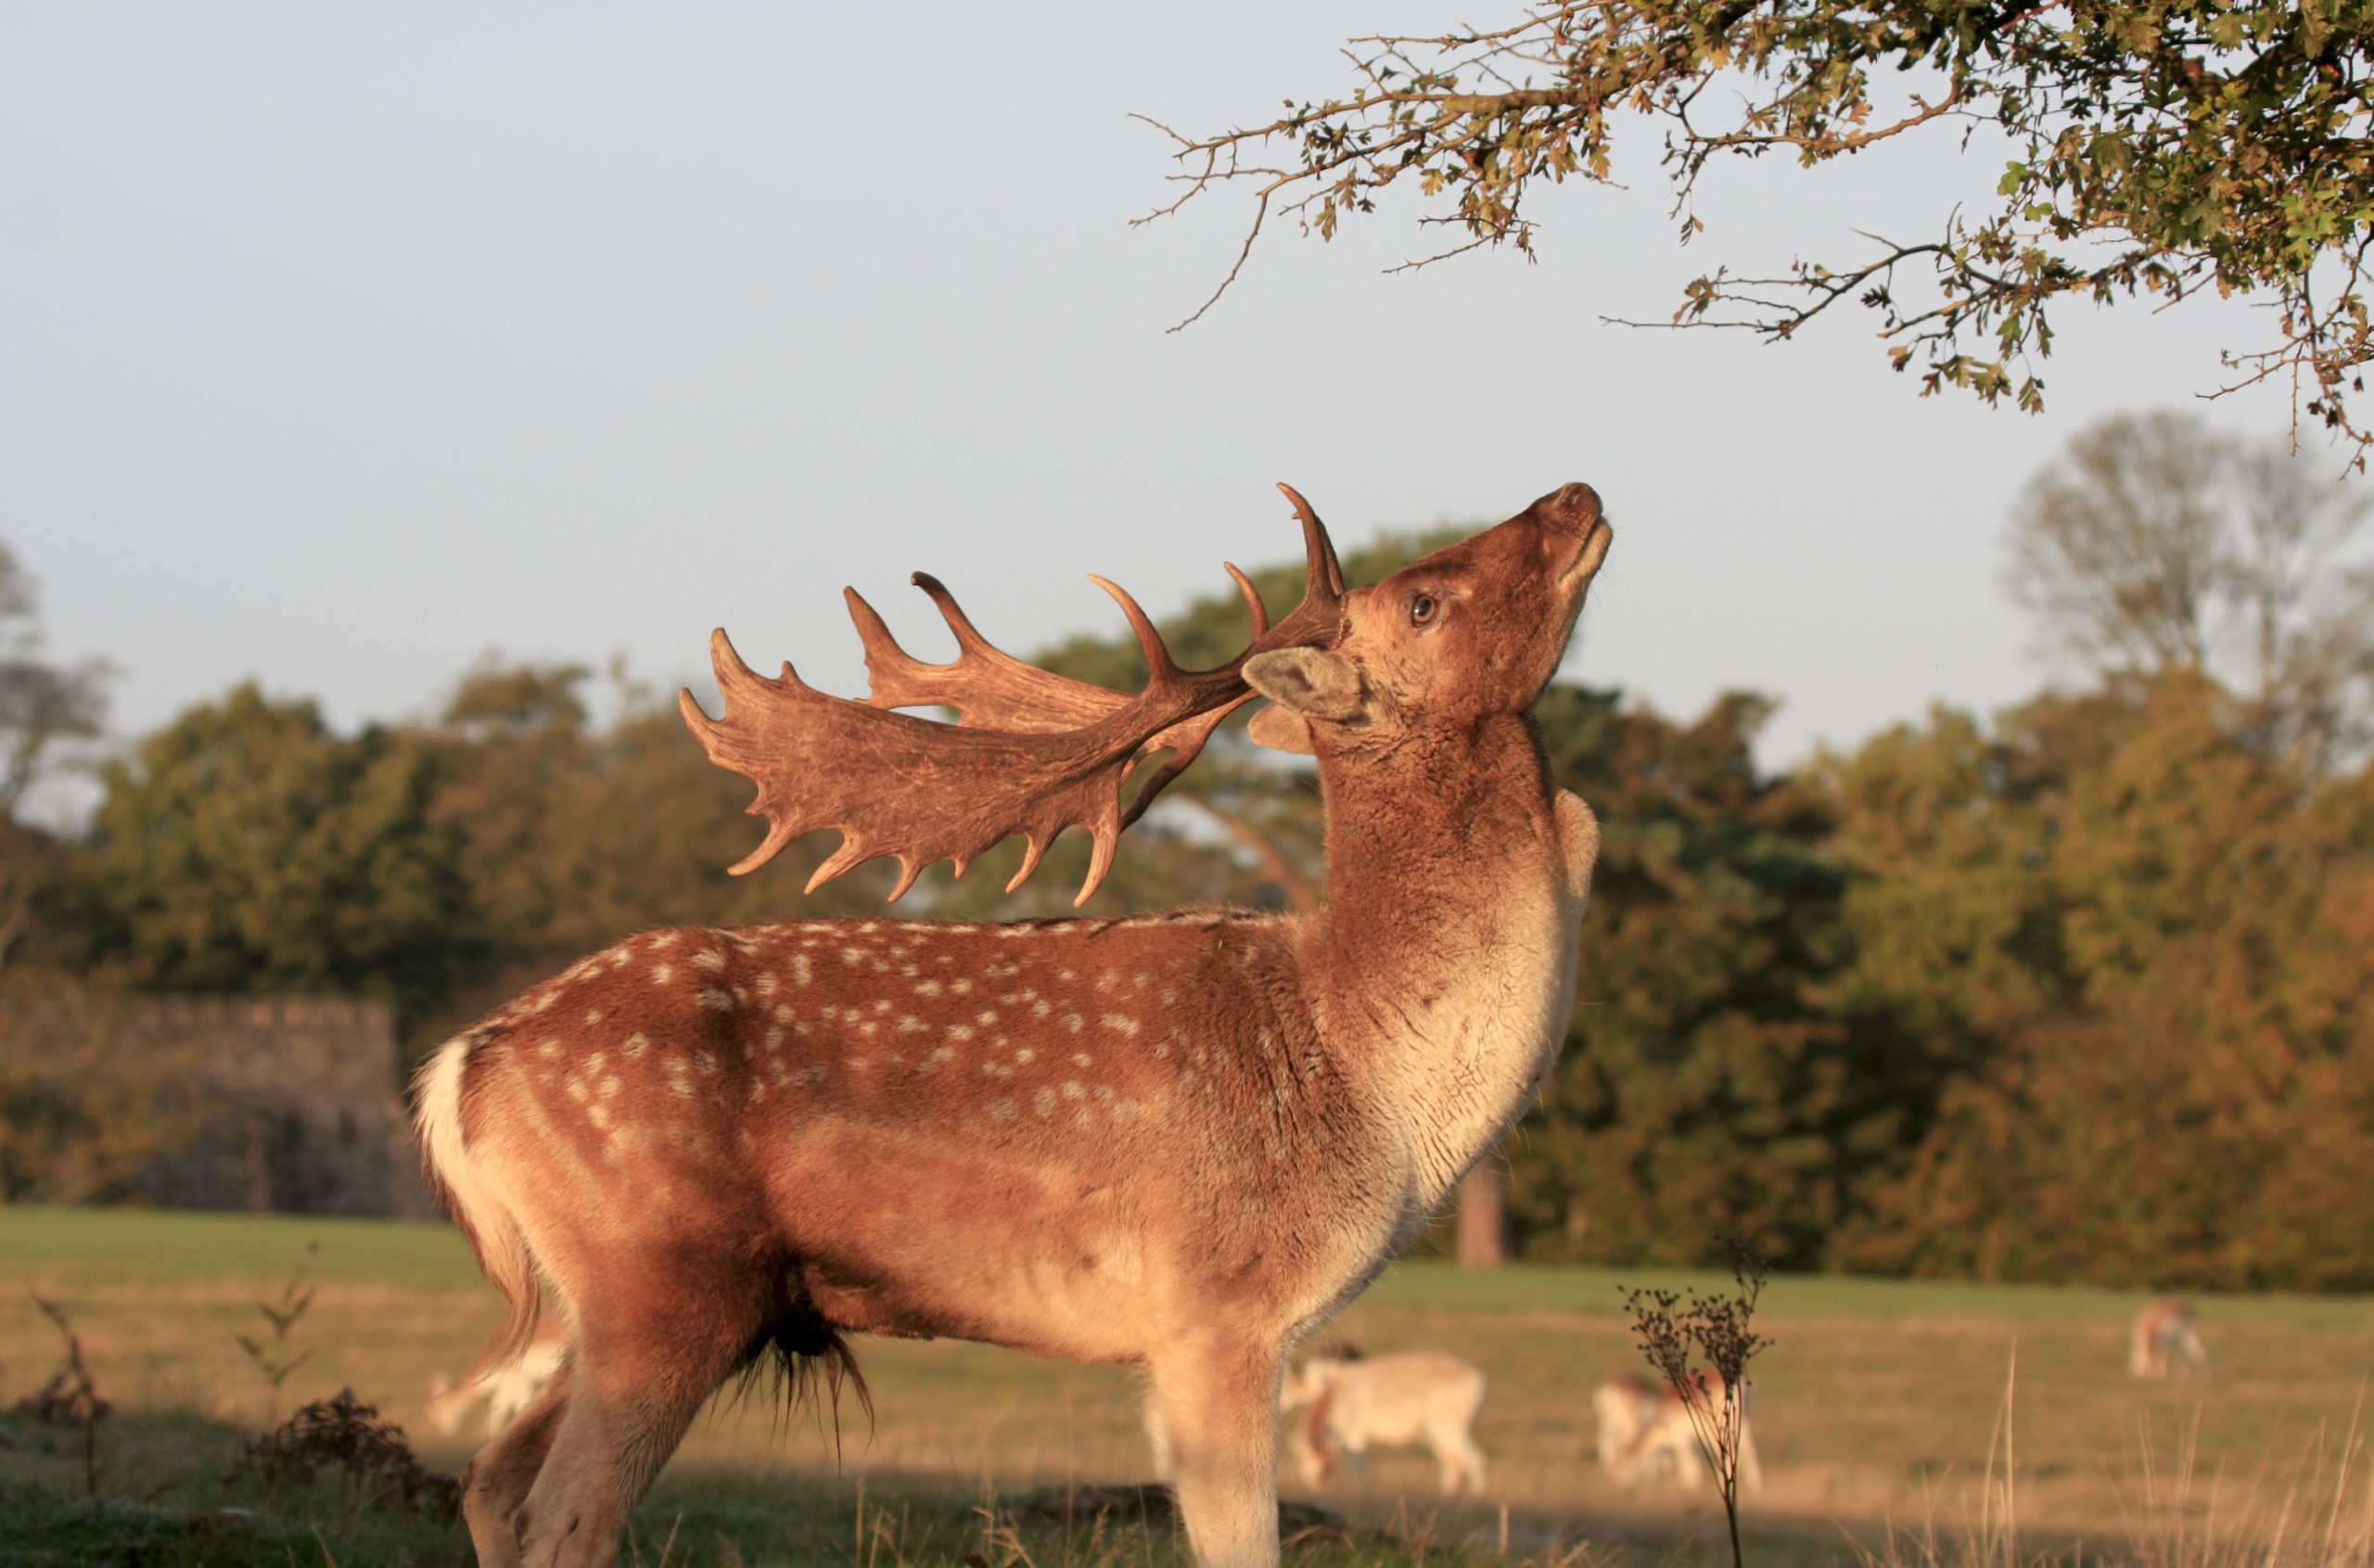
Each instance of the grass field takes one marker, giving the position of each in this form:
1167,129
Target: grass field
1880,1404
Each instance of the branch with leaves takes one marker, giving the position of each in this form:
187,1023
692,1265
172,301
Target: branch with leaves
2161,149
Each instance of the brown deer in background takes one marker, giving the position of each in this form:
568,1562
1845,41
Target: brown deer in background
2162,1326
1178,1141
1646,1430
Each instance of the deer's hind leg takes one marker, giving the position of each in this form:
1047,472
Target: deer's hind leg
499,1478
639,1373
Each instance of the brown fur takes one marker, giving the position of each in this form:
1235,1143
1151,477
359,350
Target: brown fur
1177,1141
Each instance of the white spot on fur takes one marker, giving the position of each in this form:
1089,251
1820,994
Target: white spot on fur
852,955
929,987
611,1086
703,1062
665,940
715,1001
1074,1021
774,1039
710,960
1026,1056
801,969
663,972
766,984
595,1016
548,1046
960,987
1072,1090
960,1031
1079,1059
932,1062
1041,1007
1001,1110
1043,1101
911,1025
987,1018
1115,1021
816,1074
636,1043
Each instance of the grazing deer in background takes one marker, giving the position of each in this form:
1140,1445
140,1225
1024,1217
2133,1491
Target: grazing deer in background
1178,1141
1351,1401
1646,1430
507,1387
2162,1326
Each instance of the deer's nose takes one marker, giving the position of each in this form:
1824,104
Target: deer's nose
1574,506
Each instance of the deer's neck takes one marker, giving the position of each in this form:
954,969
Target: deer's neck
1447,948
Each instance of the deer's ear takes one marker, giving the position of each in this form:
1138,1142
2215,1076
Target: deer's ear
1282,728
1313,683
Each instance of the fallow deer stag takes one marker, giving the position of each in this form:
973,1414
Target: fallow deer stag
1178,1140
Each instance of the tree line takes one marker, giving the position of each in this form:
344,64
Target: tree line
2078,991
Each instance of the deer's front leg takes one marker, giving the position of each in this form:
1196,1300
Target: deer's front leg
1219,1403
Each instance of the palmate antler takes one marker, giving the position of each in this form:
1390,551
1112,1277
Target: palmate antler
1031,752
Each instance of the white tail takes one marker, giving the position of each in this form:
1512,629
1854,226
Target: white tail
2161,1327
1646,1431
506,1386
1421,1397
1177,1141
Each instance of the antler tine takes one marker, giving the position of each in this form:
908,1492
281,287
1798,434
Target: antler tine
1165,672
1252,604
968,636
1323,576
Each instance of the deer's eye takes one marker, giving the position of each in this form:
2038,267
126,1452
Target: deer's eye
1422,609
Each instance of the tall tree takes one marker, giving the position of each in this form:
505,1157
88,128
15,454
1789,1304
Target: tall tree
2154,148
41,704
2156,544
43,707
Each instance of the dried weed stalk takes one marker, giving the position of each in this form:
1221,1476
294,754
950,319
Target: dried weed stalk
1676,1331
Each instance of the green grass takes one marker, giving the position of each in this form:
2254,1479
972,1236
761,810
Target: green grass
167,1246
170,1246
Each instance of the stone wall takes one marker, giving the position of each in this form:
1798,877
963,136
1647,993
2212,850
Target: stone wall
300,1112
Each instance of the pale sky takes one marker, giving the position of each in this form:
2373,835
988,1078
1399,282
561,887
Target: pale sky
340,345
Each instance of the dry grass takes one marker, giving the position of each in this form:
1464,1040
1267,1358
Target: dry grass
1881,1408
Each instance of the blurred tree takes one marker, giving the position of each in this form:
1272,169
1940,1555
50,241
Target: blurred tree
2161,148
42,705
80,1116
1704,1092
2157,544
245,847
2142,944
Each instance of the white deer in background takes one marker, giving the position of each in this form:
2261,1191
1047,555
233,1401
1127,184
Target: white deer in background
1176,1140
1646,1431
2162,1326
506,1388
1351,1402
